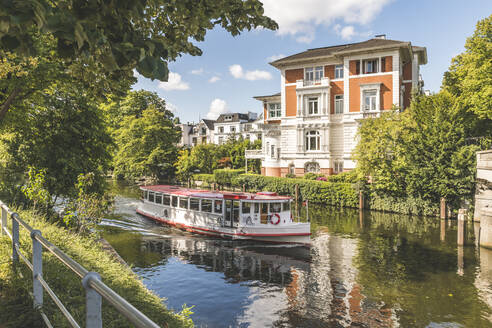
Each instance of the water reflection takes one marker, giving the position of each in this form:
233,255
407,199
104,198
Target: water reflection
363,269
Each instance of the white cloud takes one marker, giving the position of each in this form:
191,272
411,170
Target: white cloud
347,32
300,18
238,73
174,83
171,107
197,71
275,57
214,79
217,106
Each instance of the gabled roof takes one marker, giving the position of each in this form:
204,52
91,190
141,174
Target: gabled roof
338,50
209,123
236,117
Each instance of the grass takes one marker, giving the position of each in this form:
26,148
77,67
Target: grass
16,305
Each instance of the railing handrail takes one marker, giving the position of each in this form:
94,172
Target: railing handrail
94,286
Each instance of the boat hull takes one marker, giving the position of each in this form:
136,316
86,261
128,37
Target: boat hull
298,233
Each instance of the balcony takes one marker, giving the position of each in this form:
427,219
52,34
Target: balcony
323,82
253,154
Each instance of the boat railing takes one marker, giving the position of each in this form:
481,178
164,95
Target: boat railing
95,288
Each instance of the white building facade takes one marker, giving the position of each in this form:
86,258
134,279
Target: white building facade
311,125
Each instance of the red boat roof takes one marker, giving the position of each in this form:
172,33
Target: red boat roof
180,191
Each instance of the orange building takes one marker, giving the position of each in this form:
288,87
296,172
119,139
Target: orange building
311,125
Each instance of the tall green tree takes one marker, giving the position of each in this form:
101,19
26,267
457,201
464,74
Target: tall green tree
146,145
469,77
122,36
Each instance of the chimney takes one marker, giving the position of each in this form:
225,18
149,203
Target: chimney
380,36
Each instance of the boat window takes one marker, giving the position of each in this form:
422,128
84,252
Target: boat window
235,211
158,198
264,213
246,208
207,205
151,196
183,202
174,201
275,207
144,194
257,208
286,207
195,204
264,208
218,207
166,200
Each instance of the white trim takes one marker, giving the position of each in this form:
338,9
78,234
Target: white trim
406,81
283,104
370,74
369,87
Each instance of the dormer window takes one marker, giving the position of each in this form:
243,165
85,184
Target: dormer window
274,110
228,118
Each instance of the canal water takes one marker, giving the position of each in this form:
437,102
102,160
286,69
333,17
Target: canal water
362,270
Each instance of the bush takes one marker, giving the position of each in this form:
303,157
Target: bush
336,194
290,175
312,176
348,177
208,178
409,205
226,177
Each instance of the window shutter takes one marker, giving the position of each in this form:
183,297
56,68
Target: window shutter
357,68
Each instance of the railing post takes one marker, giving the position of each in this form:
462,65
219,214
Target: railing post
93,302
15,237
37,269
4,220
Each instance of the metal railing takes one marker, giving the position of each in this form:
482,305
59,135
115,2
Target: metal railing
95,289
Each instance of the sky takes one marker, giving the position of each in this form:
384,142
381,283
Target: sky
232,70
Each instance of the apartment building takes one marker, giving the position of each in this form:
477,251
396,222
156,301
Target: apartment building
311,125
234,125
195,134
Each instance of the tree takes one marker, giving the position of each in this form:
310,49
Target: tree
146,145
469,77
123,36
61,132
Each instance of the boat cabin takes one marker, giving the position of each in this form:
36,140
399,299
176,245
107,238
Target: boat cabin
227,209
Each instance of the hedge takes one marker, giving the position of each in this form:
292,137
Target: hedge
336,194
208,178
408,205
226,177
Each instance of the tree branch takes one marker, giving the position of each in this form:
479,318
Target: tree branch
6,105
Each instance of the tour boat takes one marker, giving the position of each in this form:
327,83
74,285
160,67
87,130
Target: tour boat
262,216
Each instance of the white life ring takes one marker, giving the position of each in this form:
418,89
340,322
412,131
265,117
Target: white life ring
278,218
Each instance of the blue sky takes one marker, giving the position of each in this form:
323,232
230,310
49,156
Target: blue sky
234,69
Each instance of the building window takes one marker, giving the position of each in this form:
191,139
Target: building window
371,66
338,71
338,166
313,140
338,104
258,136
274,110
194,140
221,129
312,167
272,152
268,148
313,105
221,140
369,98
233,129
313,74
204,131
228,118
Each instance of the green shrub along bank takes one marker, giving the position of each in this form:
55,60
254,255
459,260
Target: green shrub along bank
16,306
408,205
227,177
339,190
336,194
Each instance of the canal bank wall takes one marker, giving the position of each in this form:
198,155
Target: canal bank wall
483,197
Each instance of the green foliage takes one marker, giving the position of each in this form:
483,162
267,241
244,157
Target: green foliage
336,194
146,145
404,205
122,36
290,175
226,177
469,77
87,251
205,177
312,176
349,177
86,211
34,189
